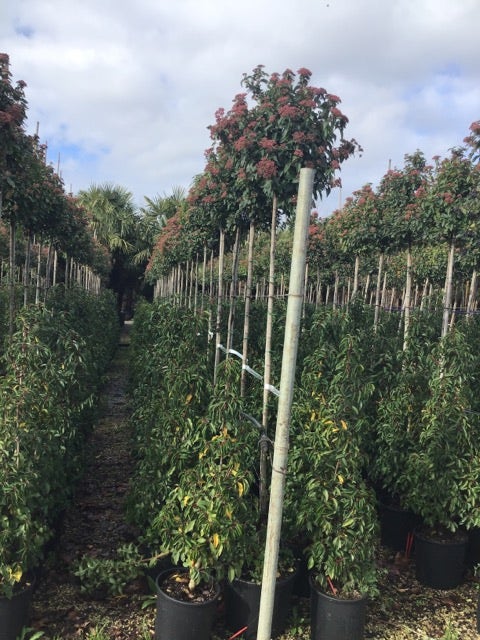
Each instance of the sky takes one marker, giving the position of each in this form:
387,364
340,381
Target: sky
123,91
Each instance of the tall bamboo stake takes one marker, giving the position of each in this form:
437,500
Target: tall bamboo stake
287,379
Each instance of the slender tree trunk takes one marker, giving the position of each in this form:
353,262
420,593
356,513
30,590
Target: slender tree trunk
218,324
48,271
447,298
424,295
318,291
355,277
335,290
26,268
204,275
367,288
11,279
233,290
472,294
407,299
268,334
55,267
378,301
195,297
248,301
268,359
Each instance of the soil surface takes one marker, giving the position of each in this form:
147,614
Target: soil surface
95,525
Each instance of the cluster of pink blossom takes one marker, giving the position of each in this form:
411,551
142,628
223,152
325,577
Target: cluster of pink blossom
266,168
448,197
288,111
242,143
267,144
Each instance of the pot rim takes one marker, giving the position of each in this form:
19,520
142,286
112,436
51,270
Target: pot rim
166,572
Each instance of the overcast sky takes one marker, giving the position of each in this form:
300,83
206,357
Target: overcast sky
124,90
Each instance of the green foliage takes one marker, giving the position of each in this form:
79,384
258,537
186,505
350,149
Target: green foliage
109,575
442,468
170,390
329,506
51,374
208,518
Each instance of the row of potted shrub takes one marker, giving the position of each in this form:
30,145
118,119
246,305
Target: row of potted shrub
51,371
368,414
208,517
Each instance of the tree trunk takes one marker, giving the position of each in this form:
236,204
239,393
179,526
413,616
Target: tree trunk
218,323
335,290
248,300
355,277
11,278
268,334
233,290
204,275
378,300
268,361
407,299
472,294
447,298
26,268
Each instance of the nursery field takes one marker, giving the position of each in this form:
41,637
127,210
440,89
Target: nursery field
95,525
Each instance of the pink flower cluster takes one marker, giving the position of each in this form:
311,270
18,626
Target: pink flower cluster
288,111
448,197
268,144
266,168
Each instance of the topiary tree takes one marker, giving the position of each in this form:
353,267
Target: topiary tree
452,203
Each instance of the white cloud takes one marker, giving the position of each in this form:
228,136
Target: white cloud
125,90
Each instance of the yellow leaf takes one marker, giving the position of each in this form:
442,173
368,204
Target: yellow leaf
240,488
185,500
215,540
343,423
340,479
188,399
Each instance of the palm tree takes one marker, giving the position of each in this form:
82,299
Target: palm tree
152,220
113,218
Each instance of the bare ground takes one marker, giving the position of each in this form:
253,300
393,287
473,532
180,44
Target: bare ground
95,525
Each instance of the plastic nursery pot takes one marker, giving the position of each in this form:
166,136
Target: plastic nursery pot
478,614
395,526
180,620
336,618
440,561
242,605
15,612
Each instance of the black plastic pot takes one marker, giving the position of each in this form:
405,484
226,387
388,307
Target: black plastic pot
395,526
478,614
473,547
440,562
178,620
242,605
15,613
336,618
